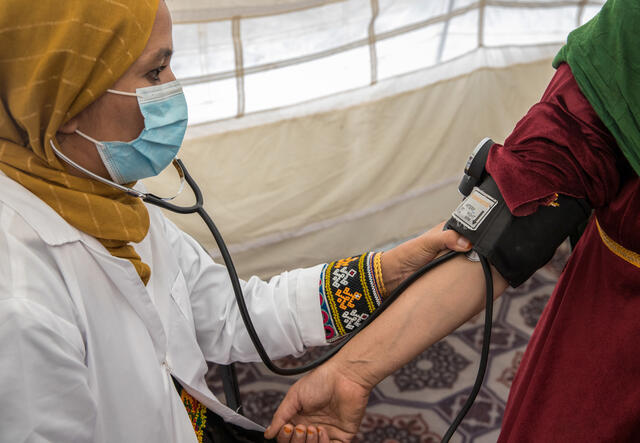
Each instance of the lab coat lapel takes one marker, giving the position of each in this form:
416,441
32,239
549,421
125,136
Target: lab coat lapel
126,279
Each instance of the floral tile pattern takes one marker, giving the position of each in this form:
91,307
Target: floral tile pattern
436,368
378,428
484,415
418,402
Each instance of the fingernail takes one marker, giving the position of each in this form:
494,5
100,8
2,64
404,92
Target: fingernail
288,429
300,432
463,242
310,432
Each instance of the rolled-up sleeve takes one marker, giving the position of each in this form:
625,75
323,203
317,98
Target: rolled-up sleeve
559,147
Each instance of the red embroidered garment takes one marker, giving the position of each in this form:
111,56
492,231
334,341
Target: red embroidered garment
580,377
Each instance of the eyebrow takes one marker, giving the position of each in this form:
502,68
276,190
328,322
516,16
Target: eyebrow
163,53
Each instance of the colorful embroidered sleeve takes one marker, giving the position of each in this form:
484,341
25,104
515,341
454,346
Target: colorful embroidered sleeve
350,290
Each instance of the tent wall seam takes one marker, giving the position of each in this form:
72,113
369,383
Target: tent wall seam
481,23
373,55
279,113
583,4
208,15
445,32
481,5
326,53
239,62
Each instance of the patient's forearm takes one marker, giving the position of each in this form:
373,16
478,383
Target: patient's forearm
427,311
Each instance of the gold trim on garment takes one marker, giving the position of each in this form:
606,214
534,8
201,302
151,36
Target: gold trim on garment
619,250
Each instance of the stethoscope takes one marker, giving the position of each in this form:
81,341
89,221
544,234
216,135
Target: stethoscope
198,208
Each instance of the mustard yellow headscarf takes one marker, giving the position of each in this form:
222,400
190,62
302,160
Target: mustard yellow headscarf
56,58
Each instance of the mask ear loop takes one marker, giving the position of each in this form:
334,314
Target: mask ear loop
128,94
113,184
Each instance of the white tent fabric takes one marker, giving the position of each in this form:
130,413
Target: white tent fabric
195,11
324,128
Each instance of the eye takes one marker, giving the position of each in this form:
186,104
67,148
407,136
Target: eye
154,75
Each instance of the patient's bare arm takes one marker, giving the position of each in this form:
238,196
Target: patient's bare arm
334,396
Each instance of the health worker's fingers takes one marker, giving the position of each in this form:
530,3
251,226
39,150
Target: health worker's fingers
285,434
436,240
323,437
285,412
299,434
312,434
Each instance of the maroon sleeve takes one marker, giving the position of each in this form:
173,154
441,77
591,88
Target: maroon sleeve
559,147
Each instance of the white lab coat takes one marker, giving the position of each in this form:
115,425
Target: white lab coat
87,352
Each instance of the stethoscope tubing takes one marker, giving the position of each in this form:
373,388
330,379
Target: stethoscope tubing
198,208
237,289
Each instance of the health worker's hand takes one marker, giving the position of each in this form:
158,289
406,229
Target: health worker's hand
406,258
324,406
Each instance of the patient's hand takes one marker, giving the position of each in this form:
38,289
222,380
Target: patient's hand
327,402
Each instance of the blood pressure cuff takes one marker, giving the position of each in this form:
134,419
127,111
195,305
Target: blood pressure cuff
515,246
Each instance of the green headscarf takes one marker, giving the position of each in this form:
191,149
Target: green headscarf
604,56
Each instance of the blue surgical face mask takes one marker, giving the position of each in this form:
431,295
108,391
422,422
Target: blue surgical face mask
164,109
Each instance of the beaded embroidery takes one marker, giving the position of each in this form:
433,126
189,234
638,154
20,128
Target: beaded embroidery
197,413
350,290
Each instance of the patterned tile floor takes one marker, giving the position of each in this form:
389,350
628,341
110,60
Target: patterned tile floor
417,403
